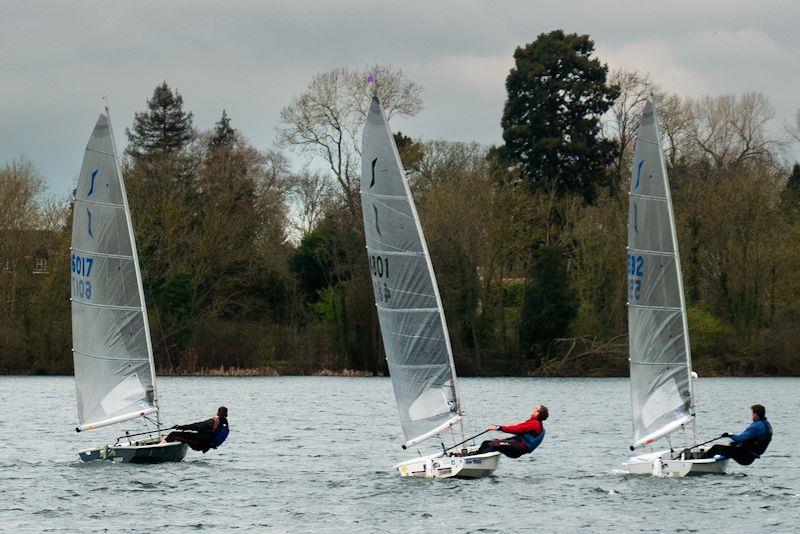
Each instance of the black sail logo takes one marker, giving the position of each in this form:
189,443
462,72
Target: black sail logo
374,207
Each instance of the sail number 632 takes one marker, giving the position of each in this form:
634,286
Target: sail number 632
635,275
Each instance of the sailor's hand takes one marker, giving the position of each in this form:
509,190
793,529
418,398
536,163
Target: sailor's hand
725,435
493,427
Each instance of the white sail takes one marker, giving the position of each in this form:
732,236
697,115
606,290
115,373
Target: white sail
407,298
114,372
660,360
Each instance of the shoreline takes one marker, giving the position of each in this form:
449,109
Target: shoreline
351,373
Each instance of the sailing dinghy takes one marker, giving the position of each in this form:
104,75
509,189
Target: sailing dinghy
114,370
662,392
410,312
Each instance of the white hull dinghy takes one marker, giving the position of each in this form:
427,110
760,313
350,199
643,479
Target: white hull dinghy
442,465
115,374
413,326
662,390
667,463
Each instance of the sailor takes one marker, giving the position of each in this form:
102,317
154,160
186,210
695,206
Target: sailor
203,435
746,447
527,435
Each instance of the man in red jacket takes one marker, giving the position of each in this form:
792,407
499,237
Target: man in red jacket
527,435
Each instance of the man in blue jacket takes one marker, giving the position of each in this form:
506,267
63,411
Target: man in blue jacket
746,447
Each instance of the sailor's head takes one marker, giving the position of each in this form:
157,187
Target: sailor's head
222,411
540,412
759,412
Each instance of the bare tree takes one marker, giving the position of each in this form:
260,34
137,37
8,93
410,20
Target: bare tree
325,119
794,129
731,130
626,113
312,192
675,117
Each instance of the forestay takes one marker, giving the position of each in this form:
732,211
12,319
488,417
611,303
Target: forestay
407,298
660,363
114,373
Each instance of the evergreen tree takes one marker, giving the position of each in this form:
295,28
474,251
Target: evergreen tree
224,135
165,129
557,93
548,305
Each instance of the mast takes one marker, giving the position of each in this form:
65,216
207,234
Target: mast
140,286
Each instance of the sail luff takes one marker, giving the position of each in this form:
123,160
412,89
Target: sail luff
137,268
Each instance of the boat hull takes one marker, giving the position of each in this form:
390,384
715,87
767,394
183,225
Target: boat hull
147,452
445,466
661,463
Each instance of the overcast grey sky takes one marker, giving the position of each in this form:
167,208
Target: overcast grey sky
58,59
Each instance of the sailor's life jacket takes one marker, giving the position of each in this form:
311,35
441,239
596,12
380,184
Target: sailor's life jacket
530,431
756,437
220,437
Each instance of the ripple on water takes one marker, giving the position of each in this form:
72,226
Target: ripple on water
338,477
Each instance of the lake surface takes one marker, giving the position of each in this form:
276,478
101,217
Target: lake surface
309,454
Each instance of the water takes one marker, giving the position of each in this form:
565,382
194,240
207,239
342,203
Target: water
315,454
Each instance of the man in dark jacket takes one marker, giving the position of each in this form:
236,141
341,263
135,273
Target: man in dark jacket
204,435
527,435
746,447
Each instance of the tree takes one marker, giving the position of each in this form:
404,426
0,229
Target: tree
164,129
793,182
551,121
549,304
731,131
224,135
325,119
626,112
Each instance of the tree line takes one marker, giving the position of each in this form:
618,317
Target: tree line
249,263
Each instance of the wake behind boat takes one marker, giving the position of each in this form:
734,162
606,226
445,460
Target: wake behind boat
410,312
662,391
113,355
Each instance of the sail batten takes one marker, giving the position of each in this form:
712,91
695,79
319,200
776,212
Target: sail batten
660,363
114,372
407,299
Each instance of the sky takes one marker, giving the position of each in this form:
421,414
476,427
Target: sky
59,59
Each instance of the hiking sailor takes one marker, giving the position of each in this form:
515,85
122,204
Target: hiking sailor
748,446
203,435
527,435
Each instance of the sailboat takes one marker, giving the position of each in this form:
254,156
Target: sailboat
114,370
662,390
413,326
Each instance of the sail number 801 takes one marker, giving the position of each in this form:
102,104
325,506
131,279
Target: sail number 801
380,269
635,275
